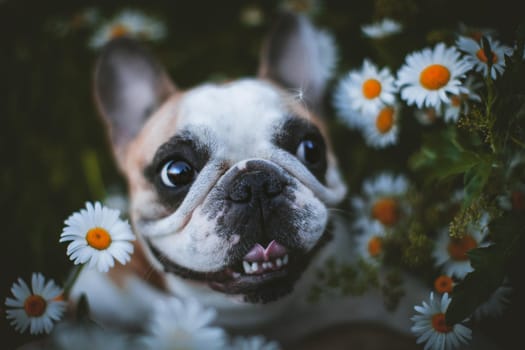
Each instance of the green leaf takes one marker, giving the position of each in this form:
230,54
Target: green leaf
478,286
443,156
475,180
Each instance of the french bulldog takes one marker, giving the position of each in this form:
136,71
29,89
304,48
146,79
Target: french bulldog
232,191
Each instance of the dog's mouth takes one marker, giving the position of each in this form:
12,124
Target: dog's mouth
264,273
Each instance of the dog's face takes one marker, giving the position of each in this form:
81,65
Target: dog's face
230,184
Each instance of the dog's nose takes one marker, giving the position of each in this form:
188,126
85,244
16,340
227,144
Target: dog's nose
254,185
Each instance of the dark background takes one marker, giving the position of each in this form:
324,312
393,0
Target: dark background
53,150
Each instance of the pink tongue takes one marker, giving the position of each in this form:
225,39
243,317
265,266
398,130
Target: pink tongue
273,251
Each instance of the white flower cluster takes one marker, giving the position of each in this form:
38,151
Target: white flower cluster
97,238
437,81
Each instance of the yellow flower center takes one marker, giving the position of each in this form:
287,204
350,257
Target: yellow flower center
35,306
371,88
386,211
118,30
458,247
98,238
375,246
434,77
439,324
385,120
480,54
443,284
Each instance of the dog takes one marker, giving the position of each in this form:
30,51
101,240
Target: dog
232,188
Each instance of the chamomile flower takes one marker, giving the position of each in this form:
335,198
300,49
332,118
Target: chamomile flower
426,116
384,28
129,23
477,58
370,246
98,237
430,326
364,92
451,253
184,325
37,308
460,103
428,76
254,343
382,130
475,32
443,284
382,205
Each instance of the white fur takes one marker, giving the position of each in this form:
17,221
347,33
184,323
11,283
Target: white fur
237,122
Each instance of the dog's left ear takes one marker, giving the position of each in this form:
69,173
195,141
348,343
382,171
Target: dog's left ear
299,57
129,86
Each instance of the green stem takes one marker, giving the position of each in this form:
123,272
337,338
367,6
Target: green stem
72,279
488,112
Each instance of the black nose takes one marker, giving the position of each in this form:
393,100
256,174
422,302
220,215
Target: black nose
255,185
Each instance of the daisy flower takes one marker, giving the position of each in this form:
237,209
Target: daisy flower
477,58
98,237
382,29
184,325
37,308
443,284
382,205
370,246
427,76
430,326
460,103
254,343
426,116
382,130
364,92
128,23
451,253
475,32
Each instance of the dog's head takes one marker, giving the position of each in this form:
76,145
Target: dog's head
230,184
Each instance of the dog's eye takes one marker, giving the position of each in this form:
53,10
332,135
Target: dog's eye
177,173
309,152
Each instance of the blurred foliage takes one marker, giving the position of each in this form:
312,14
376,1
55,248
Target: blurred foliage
53,145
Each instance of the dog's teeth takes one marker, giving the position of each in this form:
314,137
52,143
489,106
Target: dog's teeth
255,266
279,262
247,267
265,265
269,265
285,259
236,274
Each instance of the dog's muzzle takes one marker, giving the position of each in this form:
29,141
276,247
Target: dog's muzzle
255,201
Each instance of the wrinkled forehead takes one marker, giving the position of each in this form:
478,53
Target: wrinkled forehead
234,118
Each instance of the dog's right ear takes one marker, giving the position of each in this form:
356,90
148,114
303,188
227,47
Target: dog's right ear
129,86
